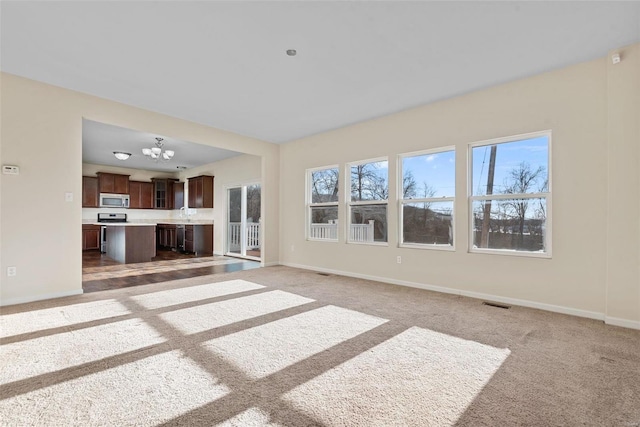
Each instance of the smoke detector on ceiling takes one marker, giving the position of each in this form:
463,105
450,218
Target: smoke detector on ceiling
615,58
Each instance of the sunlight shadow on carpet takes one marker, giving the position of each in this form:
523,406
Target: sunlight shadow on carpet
208,316
48,318
148,391
67,349
250,417
269,348
383,386
193,293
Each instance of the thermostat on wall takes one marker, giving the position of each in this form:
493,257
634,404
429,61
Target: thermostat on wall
10,170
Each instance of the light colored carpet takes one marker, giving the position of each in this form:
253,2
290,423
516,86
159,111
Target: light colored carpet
287,347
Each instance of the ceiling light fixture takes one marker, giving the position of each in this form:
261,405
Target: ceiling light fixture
156,152
121,155
292,52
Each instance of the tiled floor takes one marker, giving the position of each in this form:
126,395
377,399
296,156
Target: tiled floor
101,273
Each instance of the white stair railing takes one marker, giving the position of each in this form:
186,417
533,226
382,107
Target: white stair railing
329,231
253,235
361,232
324,231
234,236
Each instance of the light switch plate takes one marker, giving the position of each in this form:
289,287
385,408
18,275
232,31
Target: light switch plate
10,170
68,197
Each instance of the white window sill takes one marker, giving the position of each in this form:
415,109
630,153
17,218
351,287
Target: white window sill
507,252
369,243
309,239
447,248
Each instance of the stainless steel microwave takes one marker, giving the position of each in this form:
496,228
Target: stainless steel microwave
114,200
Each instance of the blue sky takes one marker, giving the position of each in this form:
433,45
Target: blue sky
438,169
534,151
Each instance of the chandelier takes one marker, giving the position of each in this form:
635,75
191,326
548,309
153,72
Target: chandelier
156,152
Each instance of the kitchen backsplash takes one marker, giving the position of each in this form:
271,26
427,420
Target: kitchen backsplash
133,214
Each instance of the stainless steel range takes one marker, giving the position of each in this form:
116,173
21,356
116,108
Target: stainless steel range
108,218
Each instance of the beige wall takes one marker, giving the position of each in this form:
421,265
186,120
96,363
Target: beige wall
573,103
623,201
240,170
41,132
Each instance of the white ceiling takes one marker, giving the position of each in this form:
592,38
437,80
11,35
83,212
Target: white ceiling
100,140
224,64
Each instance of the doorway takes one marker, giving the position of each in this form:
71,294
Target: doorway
243,222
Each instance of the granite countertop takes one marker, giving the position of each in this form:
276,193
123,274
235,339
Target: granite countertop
120,224
185,222
138,222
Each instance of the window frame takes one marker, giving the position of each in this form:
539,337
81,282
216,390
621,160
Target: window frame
402,201
546,195
350,203
310,205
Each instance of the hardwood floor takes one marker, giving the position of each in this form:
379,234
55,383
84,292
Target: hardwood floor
100,273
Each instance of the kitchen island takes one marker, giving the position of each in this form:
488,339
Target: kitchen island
131,242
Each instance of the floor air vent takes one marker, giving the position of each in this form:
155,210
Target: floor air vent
323,274
496,304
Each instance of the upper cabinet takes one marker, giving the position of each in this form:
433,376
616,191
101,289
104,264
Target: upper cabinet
201,192
178,195
160,193
141,195
164,193
113,183
89,192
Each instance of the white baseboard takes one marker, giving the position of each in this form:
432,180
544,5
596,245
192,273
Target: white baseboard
477,295
23,300
270,264
616,321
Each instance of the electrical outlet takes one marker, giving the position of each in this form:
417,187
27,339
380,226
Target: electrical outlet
399,259
12,271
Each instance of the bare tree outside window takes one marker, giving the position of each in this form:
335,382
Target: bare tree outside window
369,182
324,186
427,209
323,204
253,203
368,206
521,180
510,193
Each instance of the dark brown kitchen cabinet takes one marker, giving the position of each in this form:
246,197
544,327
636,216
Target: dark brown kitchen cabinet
141,195
198,239
201,192
90,237
164,193
178,195
89,192
113,183
166,236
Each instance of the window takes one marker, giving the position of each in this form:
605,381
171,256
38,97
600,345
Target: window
510,195
322,203
368,205
427,198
